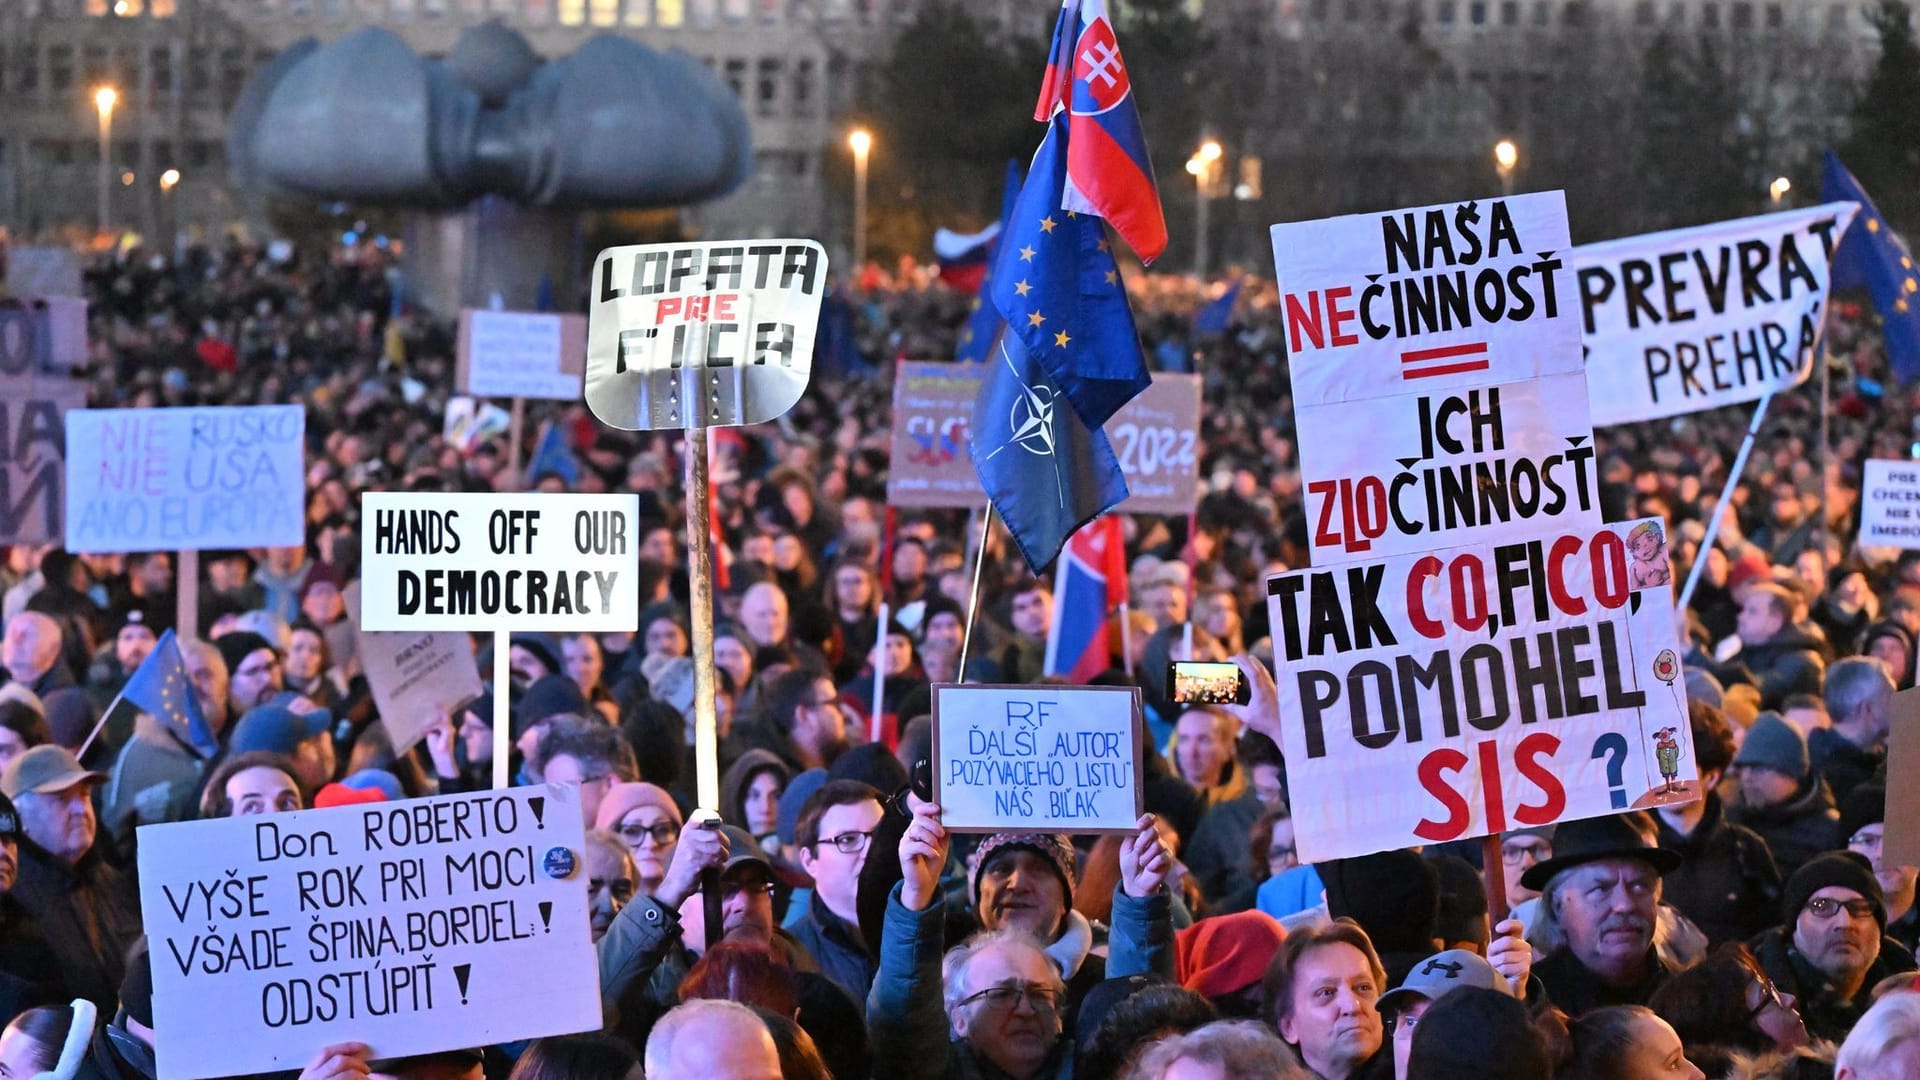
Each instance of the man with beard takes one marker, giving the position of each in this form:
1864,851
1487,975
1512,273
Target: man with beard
253,669
801,721
1863,828
1599,896
1833,948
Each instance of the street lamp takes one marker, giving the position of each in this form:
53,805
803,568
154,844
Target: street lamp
104,99
1204,167
1779,188
1506,156
168,180
860,141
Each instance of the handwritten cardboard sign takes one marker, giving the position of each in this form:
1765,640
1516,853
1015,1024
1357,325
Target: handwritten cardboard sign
1037,758
416,676
42,333
1901,844
186,479
33,443
1890,504
499,561
509,354
431,924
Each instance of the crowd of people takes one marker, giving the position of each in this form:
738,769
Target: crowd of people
1757,932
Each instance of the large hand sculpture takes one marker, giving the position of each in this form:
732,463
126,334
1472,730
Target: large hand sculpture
614,125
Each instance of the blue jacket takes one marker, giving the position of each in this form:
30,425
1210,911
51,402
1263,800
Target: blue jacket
906,1013
836,945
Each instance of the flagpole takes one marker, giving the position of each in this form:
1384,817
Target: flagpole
879,674
1126,637
1726,496
973,594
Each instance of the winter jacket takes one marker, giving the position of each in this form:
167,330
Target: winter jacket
1575,989
836,945
1795,830
89,915
156,780
1728,884
906,1014
1217,854
1788,663
1841,762
1828,1016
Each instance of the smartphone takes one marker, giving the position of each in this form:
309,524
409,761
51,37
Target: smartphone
1207,682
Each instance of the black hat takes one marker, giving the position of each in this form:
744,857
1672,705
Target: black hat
1393,895
1835,869
550,695
1863,806
239,645
1614,836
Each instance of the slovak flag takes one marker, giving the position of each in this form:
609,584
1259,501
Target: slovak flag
1108,172
1089,582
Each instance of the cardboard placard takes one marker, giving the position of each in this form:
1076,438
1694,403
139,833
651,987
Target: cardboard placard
506,354
430,924
42,333
1446,696
1890,504
702,334
43,271
1900,845
1037,758
33,448
416,676
1690,319
499,561
186,479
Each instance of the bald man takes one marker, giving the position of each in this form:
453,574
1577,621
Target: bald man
30,652
711,1040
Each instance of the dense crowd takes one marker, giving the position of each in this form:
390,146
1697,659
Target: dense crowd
1755,933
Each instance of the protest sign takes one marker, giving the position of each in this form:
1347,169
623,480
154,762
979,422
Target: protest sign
186,479
1155,438
1901,842
1037,758
42,271
702,334
1890,504
1438,697
42,333
431,924
33,442
499,561
508,354
1675,322
471,421
415,677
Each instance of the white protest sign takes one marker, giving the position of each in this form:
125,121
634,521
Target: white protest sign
1432,698
521,354
186,479
431,924
499,561
702,334
415,677
1037,758
1890,504
1676,322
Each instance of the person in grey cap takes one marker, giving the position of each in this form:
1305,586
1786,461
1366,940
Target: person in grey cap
1790,809
1429,981
85,907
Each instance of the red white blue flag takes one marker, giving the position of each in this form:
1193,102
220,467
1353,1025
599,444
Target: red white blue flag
1108,172
1089,582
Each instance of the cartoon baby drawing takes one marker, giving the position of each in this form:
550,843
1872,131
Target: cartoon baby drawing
1648,544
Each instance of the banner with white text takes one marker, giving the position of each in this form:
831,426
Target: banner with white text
1890,504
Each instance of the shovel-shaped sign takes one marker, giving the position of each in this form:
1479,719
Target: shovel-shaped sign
702,335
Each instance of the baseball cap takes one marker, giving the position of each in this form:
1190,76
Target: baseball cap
277,728
1439,975
43,770
742,849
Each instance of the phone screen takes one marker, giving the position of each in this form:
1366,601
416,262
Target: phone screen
1208,682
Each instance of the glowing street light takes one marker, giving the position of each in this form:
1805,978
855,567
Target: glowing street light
168,179
1506,157
104,99
860,141
1204,167
1779,188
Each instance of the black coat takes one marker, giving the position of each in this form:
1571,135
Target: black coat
1575,989
1795,830
1828,1015
1729,885
89,915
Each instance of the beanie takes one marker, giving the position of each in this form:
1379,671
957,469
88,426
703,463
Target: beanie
1393,895
239,645
1479,1033
1835,869
1865,805
1056,849
1227,953
550,695
872,764
802,785
1772,743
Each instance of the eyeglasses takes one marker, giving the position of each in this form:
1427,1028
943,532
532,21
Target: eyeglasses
1514,854
1826,907
847,843
1769,996
1864,839
731,889
662,833
1009,996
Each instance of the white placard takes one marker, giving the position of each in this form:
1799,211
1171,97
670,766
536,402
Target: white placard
187,479
505,561
1037,758
1890,504
1691,319
517,354
432,924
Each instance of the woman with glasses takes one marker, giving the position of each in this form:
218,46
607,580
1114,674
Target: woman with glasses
647,823
1726,1005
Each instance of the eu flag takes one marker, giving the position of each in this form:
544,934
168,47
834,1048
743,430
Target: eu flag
1871,254
983,324
551,457
160,688
1046,471
1056,284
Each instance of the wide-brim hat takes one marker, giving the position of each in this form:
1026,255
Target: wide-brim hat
1576,843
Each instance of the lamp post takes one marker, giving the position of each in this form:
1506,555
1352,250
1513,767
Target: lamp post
1204,167
1779,188
1506,156
104,99
860,141
168,180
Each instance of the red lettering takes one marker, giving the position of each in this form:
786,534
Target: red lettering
1323,533
723,307
1372,509
1304,319
1424,624
1526,759
1490,786
697,308
1432,768
667,305
1566,547
1349,514
1609,558
1467,582
1339,316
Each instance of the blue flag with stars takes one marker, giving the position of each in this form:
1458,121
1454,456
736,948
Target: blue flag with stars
1874,256
1046,471
160,688
1057,286
983,325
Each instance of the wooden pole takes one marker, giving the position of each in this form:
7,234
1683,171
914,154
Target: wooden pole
516,426
186,596
706,739
1494,867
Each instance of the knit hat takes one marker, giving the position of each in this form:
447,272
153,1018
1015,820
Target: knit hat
1463,898
542,646
239,645
624,799
1481,1033
1439,975
795,797
1835,869
136,989
1227,953
1393,895
870,763
1863,806
550,695
1057,849
1752,567
1772,743
339,794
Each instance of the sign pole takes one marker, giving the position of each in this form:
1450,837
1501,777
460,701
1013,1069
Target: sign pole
973,594
1495,870
186,586
706,740
879,675
516,425
1726,494
502,707
1826,443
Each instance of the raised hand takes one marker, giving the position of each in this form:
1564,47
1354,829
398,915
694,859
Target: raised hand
1145,862
702,846
923,854
341,1061
1261,713
1511,956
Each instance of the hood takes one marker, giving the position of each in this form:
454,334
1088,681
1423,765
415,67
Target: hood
733,785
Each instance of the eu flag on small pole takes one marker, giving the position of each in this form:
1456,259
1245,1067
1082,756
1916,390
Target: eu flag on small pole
1874,256
977,338
160,688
